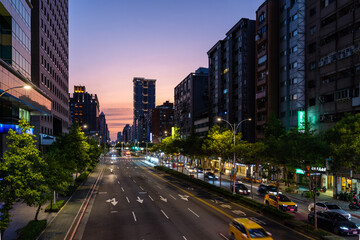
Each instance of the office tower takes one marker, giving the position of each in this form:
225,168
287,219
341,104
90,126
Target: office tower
144,100
103,128
292,63
266,64
191,101
15,69
332,61
231,77
50,64
119,137
161,121
84,110
127,133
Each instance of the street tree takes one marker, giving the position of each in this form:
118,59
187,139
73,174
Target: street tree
219,143
21,171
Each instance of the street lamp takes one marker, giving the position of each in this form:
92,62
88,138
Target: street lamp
27,87
234,128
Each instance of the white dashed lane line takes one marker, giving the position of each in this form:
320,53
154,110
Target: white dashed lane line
193,212
164,214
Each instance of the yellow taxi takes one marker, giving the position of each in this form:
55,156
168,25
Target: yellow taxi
244,228
285,203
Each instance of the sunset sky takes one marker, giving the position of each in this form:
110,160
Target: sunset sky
113,41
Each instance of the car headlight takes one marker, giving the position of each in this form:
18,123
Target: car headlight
344,228
295,205
285,205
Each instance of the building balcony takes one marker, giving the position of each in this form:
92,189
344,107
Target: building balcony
261,94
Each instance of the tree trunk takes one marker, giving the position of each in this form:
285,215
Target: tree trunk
219,172
37,212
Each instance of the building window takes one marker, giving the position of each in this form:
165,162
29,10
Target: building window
325,3
312,66
292,65
312,11
312,30
262,17
294,17
293,49
262,60
312,47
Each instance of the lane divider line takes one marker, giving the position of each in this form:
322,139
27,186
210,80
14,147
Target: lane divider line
151,198
193,212
164,214
134,216
127,199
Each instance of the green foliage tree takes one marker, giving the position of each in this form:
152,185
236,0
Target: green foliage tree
219,143
21,170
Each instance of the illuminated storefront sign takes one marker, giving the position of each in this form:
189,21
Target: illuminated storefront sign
4,128
301,120
300,171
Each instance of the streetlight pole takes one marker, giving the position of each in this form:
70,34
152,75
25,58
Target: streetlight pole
27,87
234,127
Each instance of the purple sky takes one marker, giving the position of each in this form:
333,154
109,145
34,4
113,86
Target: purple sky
112,41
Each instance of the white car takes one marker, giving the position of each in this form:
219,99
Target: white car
331,207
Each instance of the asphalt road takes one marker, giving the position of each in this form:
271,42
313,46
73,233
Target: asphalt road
137,202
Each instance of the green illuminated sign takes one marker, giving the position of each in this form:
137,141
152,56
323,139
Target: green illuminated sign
301,120
300,171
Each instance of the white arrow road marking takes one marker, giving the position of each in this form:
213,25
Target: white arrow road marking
134,216
193,212
151,198
140,200
164,214
238,212
226,206
114,202
122,189
110,200
184,197
163,199
257,220
127,199
172,196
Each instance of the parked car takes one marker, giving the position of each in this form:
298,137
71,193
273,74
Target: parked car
240,188
335,222
285,203
327,206
243,228
265,189
211,176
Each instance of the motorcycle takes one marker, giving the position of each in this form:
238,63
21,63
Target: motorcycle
354,204
322,189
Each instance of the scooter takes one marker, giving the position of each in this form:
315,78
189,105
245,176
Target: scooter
354,204
322,189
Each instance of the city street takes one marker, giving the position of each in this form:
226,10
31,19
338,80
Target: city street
137,202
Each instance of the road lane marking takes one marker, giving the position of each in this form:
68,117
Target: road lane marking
141,188
151,198
134,181
172,196
184,238
158,186
223,236
219,210
134,216
122,189
193,212
164,214
127,199
118,182
163,199
113,211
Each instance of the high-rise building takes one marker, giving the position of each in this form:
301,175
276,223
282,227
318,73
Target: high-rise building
103,128
231,77
267,64
15,70
84,110
119,137
127,134
50,62
161,121
332,61
292,63
191,101
144,100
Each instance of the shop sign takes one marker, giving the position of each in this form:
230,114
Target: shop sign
301,120
318,169
300,171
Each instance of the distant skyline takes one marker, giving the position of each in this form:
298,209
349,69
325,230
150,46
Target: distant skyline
112,41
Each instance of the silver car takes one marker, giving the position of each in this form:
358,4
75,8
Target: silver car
326,206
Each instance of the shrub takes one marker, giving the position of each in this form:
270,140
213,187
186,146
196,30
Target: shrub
82,177
289,190
31,230
55,207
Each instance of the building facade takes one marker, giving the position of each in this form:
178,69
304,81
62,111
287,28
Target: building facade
127,134
232,78
84,110
161,121
144,100
15,70
292,63
50,62
103,129
266,64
